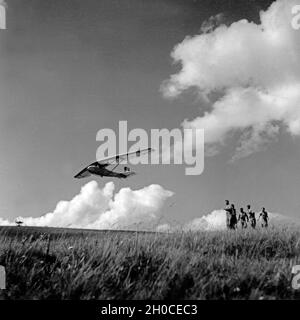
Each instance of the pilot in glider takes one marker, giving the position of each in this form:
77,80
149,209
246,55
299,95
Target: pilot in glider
99,168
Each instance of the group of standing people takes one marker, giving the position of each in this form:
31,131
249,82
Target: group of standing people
243,217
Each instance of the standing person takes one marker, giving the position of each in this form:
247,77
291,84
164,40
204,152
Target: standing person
265,218
233,218
243,217
251,215
228,213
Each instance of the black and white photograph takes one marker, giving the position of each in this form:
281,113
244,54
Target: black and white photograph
149,151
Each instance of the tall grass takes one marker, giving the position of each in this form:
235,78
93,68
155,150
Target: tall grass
58,264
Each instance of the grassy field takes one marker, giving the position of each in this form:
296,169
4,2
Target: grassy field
48,263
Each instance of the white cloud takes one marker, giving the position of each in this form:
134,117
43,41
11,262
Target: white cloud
96,208
4,222
216,220
212,23
213,221
255,71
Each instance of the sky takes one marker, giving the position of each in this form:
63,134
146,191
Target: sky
70,68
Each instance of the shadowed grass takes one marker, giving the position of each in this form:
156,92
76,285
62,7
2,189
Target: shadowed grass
46,263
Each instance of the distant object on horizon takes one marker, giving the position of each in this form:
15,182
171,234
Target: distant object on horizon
99,167
19,223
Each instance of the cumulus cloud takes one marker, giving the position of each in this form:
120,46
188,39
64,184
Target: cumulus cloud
96,208
213,221
252,69
212,23
4,222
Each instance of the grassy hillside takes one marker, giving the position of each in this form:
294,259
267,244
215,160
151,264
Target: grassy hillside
46,263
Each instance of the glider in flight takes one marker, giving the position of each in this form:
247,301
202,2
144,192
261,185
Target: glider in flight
99,168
